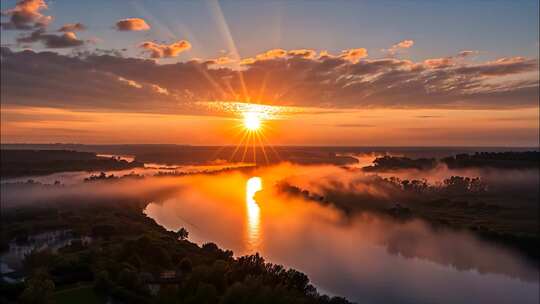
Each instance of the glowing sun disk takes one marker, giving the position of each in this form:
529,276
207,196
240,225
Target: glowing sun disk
252,121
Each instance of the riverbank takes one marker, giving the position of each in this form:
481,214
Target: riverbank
134,260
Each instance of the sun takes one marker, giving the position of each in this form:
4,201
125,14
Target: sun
252,121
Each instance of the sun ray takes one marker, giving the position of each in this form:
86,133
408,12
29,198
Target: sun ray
164,31
217,153
271,146
244,134
262,147
262,88
246,146
253,120
254,148
216,10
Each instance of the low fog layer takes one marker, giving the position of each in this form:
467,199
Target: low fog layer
410,238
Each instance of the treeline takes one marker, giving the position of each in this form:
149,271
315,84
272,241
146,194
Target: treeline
502,160
16,163
133,260
397,189
457,202
388,163
499,160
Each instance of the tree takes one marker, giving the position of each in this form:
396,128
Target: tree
182,233
39,289
185,265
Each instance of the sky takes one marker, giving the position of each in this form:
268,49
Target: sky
365,73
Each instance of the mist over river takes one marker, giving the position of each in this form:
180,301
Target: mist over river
364,257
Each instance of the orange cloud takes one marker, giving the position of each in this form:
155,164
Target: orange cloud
439,62
303,53
157,50
404,44
132,24
325,53
354,55
26,15
272,54
248,60
220,60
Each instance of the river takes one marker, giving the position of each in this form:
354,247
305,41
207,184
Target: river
363,257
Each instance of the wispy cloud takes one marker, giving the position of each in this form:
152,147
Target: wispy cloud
402,45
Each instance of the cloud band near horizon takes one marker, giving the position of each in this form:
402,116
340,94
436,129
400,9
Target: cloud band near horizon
292,78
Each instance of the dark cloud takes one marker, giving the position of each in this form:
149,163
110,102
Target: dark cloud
26,15
72,27
91,80
47,79
53,41
501,67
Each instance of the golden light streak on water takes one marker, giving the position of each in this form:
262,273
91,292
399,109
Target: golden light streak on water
253,213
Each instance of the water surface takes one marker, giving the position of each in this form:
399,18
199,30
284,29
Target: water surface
365,258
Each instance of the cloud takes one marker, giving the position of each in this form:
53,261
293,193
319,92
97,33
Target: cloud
272,54
450,60
91,80
281,53
132,24
47,79
500,67
130,82
303,53
26,15
160,90
439,62
220,60
404,44
353,55
248,60
72,27
467,53
157,50
65,40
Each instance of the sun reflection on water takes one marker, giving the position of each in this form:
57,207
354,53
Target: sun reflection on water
253,185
